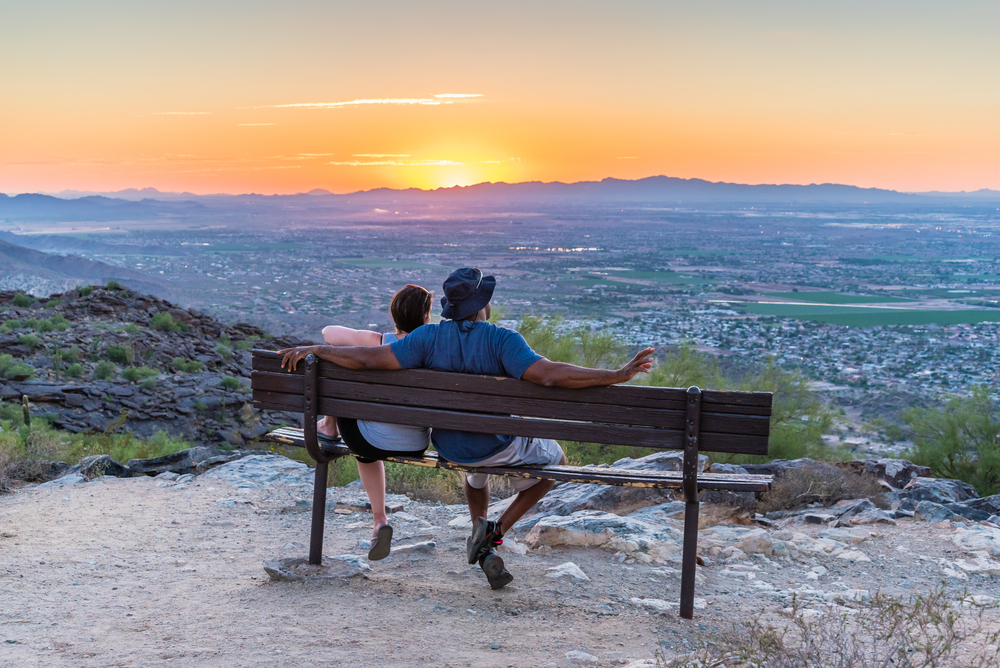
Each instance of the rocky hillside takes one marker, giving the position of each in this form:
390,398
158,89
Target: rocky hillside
88,356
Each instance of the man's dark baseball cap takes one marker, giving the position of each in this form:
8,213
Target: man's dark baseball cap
466,291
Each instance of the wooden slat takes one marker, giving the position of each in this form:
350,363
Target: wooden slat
579,474
617,395
515,426
534,408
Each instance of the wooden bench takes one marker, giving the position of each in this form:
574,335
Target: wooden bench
691,420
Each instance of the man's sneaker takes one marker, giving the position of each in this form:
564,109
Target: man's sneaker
485,536
493,567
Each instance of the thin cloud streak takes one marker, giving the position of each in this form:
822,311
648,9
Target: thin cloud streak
395,163
435,101
183,113
381,155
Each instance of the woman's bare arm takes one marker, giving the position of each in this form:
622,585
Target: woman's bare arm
335,335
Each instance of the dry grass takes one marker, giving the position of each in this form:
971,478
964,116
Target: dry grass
819,483
930,631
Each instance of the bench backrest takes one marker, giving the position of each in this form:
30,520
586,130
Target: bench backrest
651,417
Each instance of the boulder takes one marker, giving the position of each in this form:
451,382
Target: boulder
860,511
744,500
896,472
571,497
988,504
593,528
98,465
938,490
569,570
969,513
181,462
779,467
262,471
933,512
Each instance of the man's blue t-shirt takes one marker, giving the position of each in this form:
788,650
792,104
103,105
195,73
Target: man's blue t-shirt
466,347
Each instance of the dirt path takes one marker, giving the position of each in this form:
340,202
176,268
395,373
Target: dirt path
126,573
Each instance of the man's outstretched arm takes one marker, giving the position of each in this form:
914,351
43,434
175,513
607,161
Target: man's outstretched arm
558,374
349,357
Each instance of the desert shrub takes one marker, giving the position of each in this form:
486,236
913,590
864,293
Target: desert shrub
133,329
29,341
243,345
200,405
230,383
11,324
30,323
580,345
104,370
149,384
134,373
11,369
71,354
44,326
113,285
164,322
960,440
225,341
74,370
224,352
117,353
25,454
52,303
187,366
819,482
59,322
86,290
22,300
922,631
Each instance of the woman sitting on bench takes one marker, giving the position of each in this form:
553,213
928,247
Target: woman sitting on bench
374,441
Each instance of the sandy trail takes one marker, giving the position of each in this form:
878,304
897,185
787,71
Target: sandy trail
121,572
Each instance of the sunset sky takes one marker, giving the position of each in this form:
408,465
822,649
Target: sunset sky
285,97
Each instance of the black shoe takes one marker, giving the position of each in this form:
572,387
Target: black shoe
485,536
493,567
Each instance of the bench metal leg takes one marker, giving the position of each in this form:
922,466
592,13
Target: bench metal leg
318,514
689,556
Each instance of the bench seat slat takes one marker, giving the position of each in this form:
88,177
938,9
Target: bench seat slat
517,426
580,474
536,408
618,395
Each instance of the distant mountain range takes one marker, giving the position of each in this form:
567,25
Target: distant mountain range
654,190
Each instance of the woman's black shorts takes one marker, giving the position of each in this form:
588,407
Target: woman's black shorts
367,453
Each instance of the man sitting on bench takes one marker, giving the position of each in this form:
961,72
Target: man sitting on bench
466,343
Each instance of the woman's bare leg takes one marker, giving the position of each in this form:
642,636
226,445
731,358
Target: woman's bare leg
373,480
327,426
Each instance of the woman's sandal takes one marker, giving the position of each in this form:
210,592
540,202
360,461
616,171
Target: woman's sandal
381,543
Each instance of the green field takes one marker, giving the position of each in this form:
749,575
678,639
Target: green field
835,298
871,317
399,265
949,294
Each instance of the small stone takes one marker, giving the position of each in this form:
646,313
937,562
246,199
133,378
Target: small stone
568,569
294,545
424,547
582,658
495,645
297,569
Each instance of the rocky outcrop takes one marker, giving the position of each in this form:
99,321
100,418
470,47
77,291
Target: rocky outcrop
938,490
896,472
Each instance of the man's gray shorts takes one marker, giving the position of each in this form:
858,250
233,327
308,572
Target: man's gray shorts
522,451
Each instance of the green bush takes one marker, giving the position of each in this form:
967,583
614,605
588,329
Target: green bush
187,366
11,324
243,345
52,303
133,373
71,354
230,383
29,341
86,290
226,341
113,285
133,329
59,322
44,326
960,440
117,353
149,384
164,322
224,352
22,300
200,405
104,370
11,369
30,323
74,370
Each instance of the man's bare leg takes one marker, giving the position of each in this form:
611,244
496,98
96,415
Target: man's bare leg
478,500
373,480
525,500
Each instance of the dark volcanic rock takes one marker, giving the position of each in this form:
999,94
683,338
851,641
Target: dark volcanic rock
896,472
987,504
98,465
779,467
938,490
181,462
